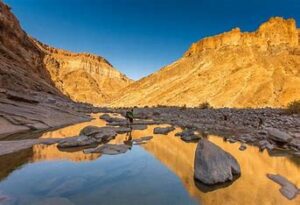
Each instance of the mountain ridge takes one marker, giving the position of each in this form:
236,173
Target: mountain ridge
232,69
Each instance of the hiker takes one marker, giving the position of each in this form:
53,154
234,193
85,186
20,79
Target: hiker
260,122
129,116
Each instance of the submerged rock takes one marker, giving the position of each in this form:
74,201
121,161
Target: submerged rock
163,130
278,136
110,149
212,165
3,198
287,189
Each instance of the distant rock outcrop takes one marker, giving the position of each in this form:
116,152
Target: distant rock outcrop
233,69
83,77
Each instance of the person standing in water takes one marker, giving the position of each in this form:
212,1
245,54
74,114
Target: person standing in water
129,116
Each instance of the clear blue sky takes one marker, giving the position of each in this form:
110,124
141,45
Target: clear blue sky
140,36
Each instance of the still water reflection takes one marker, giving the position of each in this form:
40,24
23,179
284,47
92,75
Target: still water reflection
159,172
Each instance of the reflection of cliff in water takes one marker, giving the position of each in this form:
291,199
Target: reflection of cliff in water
51,152
74,130
253,187
13,161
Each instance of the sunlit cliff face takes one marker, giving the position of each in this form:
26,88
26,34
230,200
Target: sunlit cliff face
83,77
233,69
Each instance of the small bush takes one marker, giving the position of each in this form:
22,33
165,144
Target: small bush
204,105
183,107
294,107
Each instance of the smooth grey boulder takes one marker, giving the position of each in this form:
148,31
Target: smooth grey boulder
105,117
189,135
101,134
139,127
90,130
213,165
110,149
105,134
163,130
287,189
110,119
76,142
122,130
278,136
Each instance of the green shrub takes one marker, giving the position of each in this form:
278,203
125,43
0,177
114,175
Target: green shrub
294,107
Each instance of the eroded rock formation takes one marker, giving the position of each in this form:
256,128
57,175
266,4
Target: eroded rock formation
39,84
83,77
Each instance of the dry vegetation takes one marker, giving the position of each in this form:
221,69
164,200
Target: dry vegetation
294,107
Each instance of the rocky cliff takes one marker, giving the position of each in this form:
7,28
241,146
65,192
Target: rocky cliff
233,69
29,99
83,77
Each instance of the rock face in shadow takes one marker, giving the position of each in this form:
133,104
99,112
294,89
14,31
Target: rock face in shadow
212,165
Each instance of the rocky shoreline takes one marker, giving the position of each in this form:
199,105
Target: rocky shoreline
271,129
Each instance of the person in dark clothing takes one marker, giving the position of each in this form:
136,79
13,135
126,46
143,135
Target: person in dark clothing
129,116
260,122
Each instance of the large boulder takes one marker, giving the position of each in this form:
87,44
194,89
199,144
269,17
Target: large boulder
101,134
110,119
163,130
213,165
105,134
278,136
